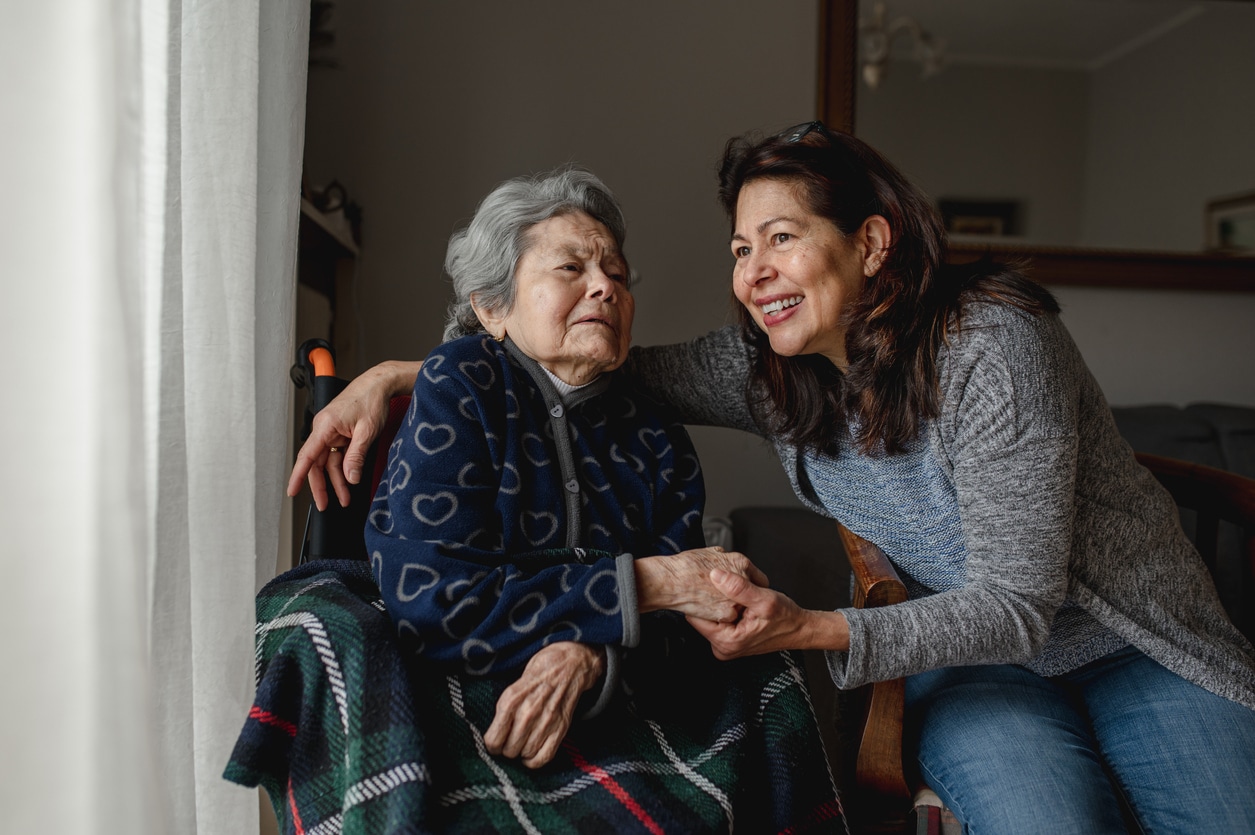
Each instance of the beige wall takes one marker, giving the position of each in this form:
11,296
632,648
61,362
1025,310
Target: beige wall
437,102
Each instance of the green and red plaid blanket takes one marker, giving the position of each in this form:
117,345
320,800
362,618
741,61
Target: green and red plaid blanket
347,735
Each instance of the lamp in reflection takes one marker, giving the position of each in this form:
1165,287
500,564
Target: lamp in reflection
877,34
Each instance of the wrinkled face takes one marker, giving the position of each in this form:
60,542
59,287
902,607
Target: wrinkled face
572,308
795,272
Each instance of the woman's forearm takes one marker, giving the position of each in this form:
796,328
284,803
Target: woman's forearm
395,377
825,630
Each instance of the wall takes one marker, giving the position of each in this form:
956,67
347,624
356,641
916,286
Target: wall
978,132
1165,138
1165,134
1167,346
1087,152
1167,129
437,102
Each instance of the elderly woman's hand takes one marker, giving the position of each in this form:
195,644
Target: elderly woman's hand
343,429
535,712
681,582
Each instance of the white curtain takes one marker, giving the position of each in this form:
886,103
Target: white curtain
149,178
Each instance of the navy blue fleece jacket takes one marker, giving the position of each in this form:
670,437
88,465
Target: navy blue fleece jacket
508,519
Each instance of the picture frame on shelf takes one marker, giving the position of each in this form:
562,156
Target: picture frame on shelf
986,218
1230,224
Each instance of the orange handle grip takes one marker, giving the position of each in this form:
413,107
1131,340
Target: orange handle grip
324,364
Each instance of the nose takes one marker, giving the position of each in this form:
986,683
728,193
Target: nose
754,269
601,285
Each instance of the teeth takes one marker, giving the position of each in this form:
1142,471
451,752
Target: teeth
781,304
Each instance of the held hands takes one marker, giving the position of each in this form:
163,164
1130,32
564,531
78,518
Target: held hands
770,621
534,713
343,430
682,582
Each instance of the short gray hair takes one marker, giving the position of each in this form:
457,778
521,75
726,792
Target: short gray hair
481,258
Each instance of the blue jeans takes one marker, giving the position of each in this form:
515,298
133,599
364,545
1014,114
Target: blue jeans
1011,752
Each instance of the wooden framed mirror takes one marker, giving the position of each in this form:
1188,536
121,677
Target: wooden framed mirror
838,90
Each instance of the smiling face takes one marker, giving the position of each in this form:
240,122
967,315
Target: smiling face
795,272
572,308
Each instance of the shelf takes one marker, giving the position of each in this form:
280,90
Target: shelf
1123,268
336,226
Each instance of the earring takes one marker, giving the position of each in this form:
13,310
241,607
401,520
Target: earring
500,338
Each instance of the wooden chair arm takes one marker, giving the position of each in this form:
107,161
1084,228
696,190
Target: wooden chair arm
878,772
876,583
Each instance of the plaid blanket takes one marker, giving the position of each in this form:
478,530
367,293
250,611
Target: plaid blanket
348,735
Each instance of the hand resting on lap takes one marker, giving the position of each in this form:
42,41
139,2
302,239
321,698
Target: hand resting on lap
534,713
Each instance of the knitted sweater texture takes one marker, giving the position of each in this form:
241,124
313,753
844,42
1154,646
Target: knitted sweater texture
508,518
1054,506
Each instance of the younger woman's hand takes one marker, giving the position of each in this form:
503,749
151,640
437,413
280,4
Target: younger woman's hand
534,713
769,621
343,430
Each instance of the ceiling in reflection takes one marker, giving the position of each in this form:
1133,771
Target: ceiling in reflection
1058,34
1076,123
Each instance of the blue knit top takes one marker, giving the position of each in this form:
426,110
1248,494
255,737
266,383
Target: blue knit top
907,504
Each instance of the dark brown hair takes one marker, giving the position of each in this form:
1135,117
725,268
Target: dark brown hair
903,316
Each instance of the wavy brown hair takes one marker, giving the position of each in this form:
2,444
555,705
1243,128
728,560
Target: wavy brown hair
904,315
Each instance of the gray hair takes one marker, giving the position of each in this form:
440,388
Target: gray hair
482,258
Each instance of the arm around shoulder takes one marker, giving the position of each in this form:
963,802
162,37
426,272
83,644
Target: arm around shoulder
703,380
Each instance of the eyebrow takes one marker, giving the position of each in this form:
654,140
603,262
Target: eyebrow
583,252
737,236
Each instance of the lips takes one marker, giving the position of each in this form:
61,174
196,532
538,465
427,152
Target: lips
776,308
602,316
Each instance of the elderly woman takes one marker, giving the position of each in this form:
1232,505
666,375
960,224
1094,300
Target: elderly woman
1068,661
535,510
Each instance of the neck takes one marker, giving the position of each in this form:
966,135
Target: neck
564,388
839,360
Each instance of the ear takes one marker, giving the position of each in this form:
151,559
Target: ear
876,237
492,320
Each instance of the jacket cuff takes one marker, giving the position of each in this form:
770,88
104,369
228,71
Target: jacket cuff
624,565
609,684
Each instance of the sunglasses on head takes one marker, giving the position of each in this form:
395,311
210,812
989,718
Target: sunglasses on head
797,132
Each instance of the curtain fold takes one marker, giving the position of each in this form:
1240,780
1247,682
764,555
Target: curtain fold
231,204
150,156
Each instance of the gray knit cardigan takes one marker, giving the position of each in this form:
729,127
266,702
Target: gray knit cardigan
1052,501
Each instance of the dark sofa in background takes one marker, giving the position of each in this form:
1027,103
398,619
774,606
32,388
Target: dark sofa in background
1205,433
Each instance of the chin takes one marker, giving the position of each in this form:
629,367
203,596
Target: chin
784,349
604,365
591,366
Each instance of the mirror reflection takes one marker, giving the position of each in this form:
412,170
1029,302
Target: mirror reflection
1072,123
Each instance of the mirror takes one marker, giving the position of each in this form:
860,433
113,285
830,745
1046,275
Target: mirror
1108,141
